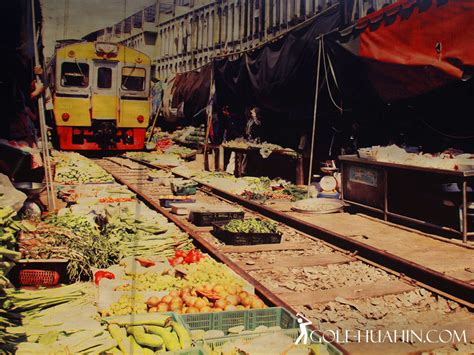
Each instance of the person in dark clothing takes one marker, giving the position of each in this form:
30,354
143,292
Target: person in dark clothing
254,125
232,124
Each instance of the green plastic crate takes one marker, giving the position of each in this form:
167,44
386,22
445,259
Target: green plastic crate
213,344
251,319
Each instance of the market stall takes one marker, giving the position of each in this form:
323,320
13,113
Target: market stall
434,192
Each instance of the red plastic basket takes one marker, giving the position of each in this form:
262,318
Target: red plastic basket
31,277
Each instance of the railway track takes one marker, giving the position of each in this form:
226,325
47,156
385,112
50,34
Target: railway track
338,290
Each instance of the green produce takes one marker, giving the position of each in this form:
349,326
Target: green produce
74,237
148,340
251,225
73,168
206,271
296,193
141,319
170,339
120,336
183,335
136,348
34,301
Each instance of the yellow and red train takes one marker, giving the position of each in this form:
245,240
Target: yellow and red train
101,96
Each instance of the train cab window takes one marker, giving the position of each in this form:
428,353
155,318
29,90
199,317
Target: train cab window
104,78
75,75
133,79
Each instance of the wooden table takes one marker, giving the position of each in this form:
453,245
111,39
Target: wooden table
381,186
239,153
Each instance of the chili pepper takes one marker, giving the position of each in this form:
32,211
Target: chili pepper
180,253
101,274
145,262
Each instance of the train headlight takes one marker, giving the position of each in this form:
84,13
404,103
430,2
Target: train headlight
140,119
65,116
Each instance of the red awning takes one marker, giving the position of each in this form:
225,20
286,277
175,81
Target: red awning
412,47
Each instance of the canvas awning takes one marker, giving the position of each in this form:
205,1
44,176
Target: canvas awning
413,47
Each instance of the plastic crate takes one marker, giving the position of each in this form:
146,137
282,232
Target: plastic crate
183,191
213,344
232,238
202,219
250,319
36,277
167,202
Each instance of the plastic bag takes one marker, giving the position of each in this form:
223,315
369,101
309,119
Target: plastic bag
9,196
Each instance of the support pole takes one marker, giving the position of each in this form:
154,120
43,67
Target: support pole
209,117
315,112
154,122
42,121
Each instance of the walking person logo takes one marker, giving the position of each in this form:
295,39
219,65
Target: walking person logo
303,322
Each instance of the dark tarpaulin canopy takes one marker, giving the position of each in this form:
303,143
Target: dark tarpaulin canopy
193,89
410,47
16,73
280,76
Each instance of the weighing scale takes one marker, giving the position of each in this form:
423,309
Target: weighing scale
329,183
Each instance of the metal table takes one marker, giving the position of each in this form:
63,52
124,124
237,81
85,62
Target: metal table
366,183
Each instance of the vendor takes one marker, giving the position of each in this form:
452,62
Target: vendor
254,125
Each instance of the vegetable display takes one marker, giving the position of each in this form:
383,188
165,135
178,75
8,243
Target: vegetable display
62,320
186,257
73,168
251,225
8,256
146,234
73,237
148,333
206,271
205,299
157,158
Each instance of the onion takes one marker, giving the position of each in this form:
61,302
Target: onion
231,289
190,301
257,303
192,310
246,301
230,307
175,306
243,294
220,304
163,307
174,293
233,300
153,301
206,309
153,309
200,303
177,299
167,299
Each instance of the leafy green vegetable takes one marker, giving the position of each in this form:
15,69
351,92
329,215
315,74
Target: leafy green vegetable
251,225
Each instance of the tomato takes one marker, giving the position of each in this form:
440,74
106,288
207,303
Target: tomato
193,256
176,260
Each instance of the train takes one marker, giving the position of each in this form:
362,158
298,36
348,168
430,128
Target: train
100,96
